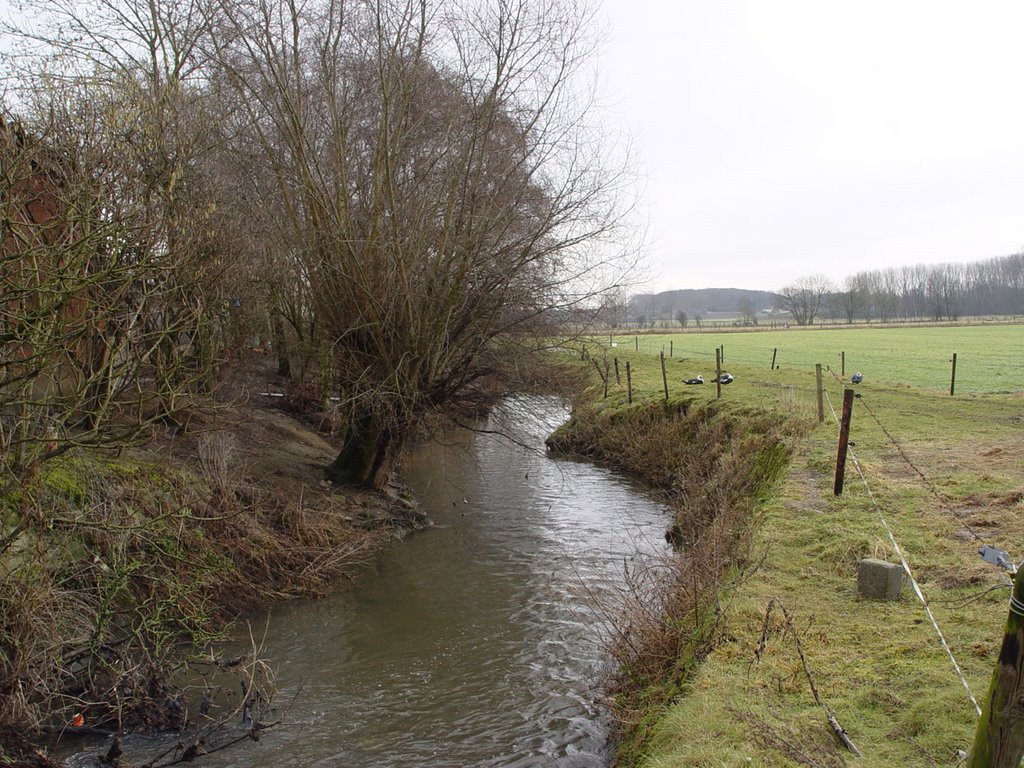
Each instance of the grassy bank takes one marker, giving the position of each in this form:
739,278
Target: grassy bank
945,474
715,462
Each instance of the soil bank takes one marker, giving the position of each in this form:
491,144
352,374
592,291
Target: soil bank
118,568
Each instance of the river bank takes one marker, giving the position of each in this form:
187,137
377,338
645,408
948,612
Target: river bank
786,636
121,569
714,464
479,640
709,674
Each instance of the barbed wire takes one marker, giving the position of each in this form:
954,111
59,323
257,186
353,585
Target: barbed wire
796,358
929,484
906,568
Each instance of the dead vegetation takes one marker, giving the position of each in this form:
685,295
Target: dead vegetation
713,464
116,573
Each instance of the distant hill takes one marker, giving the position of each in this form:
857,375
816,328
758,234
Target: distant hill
704,301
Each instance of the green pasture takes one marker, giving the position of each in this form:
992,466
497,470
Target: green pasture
990,359
945,473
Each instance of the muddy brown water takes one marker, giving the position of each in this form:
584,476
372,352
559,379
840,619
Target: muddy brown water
476,642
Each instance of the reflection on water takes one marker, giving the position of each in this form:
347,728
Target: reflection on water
477,642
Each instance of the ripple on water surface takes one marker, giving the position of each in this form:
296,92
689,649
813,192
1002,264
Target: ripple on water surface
477,642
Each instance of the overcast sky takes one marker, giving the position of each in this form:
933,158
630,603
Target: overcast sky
783,138
779,139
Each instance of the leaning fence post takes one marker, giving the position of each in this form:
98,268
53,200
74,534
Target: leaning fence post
664,376
821,399
952,378
718,371
999,739
775,351
629,384
844,442
618,381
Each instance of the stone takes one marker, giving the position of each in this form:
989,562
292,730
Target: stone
879,580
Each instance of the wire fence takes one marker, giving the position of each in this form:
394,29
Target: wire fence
989,358
906,568
930,486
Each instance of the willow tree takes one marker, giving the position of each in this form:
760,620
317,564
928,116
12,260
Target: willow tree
439,187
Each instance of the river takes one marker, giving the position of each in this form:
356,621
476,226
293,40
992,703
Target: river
477,642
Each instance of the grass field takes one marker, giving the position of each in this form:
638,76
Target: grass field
990,359
946,473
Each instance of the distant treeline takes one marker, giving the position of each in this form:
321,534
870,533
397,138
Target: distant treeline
908,293
933,292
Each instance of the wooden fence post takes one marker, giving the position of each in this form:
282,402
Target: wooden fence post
664,376
842,364
999,739
952,378
718,371
775,351
602,372
821,398
618,381
636,343
671,344
844,442
629,384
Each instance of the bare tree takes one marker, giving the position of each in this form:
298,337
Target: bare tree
852,298
436,180
943,287
803,298
87,304
748,315
112,95
682,318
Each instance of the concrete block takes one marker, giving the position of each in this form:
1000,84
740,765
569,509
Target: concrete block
879,580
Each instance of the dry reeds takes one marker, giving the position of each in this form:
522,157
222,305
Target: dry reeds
713,465
117,572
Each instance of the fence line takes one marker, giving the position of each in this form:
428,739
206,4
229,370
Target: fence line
892,539
888,530
932,488
906,569
935,367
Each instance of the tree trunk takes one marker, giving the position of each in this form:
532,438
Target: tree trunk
367,456
999,740
284,363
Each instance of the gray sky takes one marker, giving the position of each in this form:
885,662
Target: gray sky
784,138
780,138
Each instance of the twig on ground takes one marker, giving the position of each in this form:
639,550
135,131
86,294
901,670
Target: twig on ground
838,729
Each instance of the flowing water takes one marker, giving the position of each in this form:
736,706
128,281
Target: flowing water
477,642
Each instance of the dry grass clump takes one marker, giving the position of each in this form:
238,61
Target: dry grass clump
809,743
111,572
713,463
